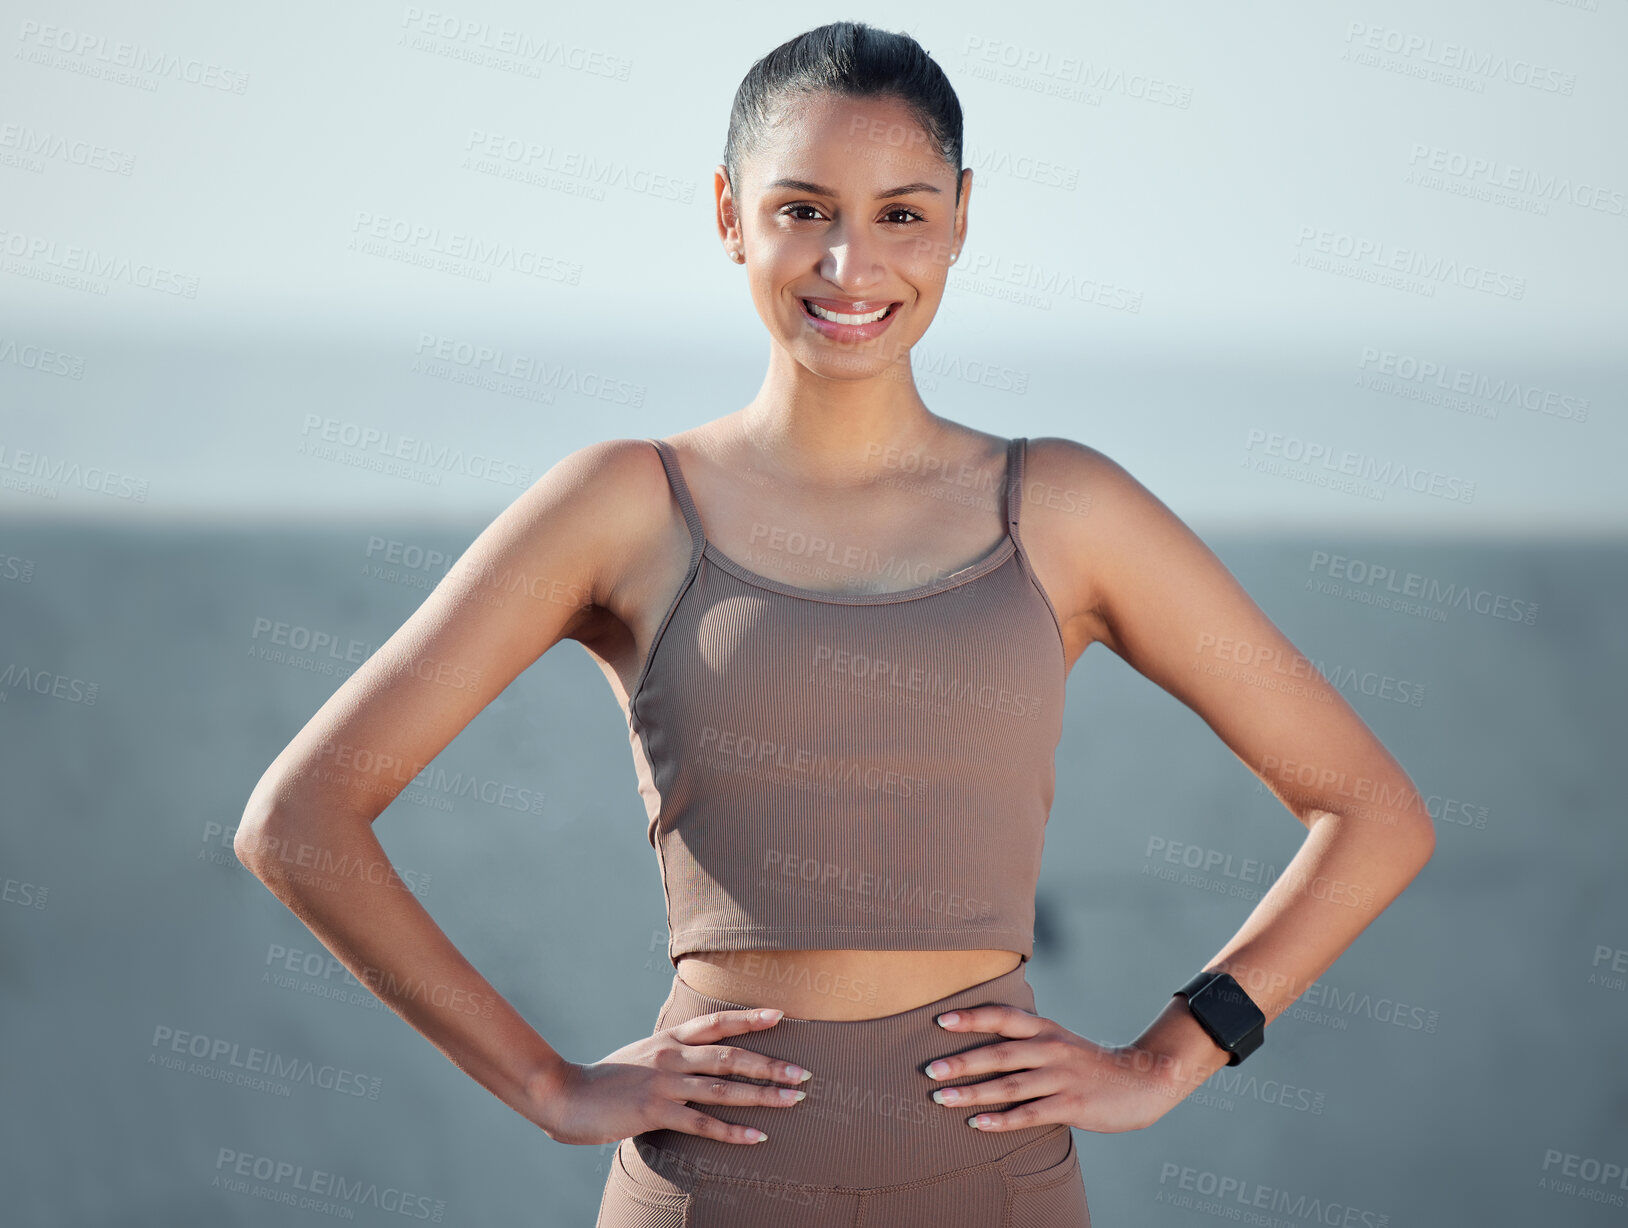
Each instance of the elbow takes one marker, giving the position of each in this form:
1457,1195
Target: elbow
306,832
1414,841
271,819
1426,844
255,833
269,823
1406,833
1421,830
261,813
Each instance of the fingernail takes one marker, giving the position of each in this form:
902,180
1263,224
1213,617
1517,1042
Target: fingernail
787,1093
981,1120
946,1095
757,1136
798,1073
949,1020
938,1069
773,1016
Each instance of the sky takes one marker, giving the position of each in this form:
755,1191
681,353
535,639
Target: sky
1356,265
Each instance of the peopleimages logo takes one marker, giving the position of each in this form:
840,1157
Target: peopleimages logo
930,684
103,56
849,880
1230,1197
1454,57
290,1181
441,457
96,267
1363,576
217,1057
1382,472
801,767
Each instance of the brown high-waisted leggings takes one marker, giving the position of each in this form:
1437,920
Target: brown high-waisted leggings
868,1146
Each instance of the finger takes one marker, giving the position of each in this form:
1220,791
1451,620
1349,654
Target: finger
735,1062
711,1089
693,1121
1001,1055
715,1025
995,1017
699,1054
1043,1112
1003,1089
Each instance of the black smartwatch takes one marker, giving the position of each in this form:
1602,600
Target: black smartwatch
1226,1012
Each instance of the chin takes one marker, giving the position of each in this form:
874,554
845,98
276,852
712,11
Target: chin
858,364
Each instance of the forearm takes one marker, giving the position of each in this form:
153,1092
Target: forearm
334,875
1347,871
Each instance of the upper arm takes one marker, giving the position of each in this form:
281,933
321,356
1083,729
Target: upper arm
1167,606
531,577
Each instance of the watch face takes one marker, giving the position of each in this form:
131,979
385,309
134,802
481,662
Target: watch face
1227,1009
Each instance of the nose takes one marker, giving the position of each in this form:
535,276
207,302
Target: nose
852,261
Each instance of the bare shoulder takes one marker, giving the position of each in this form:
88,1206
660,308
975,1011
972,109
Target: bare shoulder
538,573
602,506
1088,522
1066,478
574,538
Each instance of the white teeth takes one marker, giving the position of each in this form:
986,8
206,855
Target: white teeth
837,318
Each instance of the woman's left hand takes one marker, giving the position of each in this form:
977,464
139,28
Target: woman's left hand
1062,1076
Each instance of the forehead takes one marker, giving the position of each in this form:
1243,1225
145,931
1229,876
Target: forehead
829,139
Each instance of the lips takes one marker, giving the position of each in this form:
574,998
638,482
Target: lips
837,331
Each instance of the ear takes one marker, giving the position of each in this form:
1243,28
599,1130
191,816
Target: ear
728,222
961,208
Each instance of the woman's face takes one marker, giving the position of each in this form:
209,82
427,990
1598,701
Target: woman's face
820,216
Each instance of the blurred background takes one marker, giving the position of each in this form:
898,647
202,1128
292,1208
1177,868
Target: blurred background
1342,284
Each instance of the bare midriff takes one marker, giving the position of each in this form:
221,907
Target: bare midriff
839,984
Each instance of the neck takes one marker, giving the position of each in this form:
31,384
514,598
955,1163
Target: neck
838,433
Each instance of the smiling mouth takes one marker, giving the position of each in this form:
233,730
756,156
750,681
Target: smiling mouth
838,317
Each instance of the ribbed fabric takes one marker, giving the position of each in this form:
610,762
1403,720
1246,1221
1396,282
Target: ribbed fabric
868,1146
868,771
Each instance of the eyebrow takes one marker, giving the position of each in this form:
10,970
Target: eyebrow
814,189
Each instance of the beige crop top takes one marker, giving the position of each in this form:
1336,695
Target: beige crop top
868,771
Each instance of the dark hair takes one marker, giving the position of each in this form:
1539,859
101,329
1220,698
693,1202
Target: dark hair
854,60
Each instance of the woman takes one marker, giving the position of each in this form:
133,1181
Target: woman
847,769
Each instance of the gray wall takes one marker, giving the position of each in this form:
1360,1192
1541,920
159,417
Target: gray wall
1472,1031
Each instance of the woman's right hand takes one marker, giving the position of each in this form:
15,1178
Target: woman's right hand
644,1085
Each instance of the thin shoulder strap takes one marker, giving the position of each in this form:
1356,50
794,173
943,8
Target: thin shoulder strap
681,492
1015,450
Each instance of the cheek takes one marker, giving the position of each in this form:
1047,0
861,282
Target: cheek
926,262
788,256
774,302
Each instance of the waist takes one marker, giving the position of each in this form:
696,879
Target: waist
869,1101
840,985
